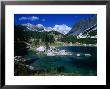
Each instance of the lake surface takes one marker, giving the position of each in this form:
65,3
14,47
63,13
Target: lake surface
83,61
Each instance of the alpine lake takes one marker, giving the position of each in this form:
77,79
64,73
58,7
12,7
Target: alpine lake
69,61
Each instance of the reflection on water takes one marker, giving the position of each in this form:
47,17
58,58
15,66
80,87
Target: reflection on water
83,61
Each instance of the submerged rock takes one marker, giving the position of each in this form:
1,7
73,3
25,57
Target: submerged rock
52,51
30,67
87,55
57,52
83,55
50,54
78,54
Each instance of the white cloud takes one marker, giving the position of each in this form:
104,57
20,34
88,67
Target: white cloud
32,18
62,28
23,18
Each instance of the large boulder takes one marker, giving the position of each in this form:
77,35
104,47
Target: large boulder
41,49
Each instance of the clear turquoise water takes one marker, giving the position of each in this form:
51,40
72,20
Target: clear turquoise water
82,65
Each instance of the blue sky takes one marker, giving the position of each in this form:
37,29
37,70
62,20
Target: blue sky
49,20
59,22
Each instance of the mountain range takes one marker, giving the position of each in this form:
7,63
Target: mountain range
63,29
86,27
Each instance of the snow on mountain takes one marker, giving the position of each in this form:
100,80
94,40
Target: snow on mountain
48,29
64,29
28,26
89,33
40,26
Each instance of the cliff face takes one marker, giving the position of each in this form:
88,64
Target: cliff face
83,25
